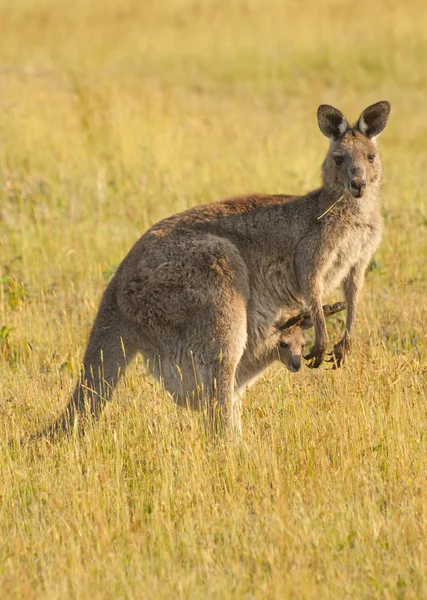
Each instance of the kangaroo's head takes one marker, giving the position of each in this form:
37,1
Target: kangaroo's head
352,165
291,347
291,340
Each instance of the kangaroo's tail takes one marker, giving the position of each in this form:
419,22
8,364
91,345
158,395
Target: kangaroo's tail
112,345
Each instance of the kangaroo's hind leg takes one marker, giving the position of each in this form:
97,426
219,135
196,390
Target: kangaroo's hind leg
207,385
216,393
202,374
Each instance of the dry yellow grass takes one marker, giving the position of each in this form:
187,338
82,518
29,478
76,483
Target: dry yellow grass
113,115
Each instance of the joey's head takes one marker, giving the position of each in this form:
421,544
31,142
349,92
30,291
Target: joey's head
291,339
352,165
291,347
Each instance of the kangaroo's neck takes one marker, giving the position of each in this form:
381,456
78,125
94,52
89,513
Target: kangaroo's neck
339,201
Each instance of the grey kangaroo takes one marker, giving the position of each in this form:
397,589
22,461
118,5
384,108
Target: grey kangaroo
201,293
289,350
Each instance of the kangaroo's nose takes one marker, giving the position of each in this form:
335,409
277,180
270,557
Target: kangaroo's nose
357,185
296,363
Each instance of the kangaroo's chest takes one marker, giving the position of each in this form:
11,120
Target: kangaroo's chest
353,248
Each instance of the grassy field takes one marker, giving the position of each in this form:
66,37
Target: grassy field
113,115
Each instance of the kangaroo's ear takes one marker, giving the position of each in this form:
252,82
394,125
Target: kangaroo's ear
303,321
306,323
293,322
373,119
332,122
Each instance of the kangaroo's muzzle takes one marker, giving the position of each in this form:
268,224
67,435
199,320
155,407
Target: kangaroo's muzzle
358,186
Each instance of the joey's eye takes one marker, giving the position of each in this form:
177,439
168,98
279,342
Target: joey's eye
371,157
339,160
284,345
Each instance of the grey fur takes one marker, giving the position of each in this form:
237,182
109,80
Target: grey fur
201,293
288,349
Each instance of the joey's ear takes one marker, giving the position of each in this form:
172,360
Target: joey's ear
303,320
292,322
306,323
332,122
373,119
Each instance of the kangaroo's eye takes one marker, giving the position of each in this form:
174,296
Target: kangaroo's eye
284,345
371,157
339,160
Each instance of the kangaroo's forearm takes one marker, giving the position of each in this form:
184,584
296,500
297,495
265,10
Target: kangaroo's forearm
352,287
312,291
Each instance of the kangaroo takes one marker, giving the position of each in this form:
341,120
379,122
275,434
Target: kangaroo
201,291
289,350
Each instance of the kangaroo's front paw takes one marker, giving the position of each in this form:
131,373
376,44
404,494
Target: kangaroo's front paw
339,353
316,356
